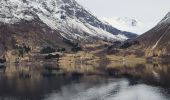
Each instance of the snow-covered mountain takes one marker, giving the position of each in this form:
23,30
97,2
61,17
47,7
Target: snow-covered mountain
68,17
127,24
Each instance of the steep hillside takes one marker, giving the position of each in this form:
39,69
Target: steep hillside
158,38
34,34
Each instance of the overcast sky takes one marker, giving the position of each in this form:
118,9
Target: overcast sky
147,11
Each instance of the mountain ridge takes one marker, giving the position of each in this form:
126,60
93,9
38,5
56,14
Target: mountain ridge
157,39
60,14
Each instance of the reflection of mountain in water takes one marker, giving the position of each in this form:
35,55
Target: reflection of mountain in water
50,81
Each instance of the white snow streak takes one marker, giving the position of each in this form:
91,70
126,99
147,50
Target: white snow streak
154,46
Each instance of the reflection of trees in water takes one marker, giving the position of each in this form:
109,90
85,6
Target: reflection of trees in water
34,80
23,75
50,70
2,69
81,68
28,79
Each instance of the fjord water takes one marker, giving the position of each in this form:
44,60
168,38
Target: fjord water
49,82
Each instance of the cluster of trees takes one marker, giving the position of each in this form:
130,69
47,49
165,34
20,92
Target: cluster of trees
48,49
115,44
51,56
24,75
129,44
155,54
3,60
76,48
61,49
23,49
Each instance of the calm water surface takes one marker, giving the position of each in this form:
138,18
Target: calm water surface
47,82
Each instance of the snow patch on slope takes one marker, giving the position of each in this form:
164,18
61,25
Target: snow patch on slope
80,27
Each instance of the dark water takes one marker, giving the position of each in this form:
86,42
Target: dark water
48,82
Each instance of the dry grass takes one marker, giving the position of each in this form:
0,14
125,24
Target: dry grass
80,62
129,61
88,62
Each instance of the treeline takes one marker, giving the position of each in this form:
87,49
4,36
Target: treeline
2,60
75,46
49,49
114,48
128,44
123,45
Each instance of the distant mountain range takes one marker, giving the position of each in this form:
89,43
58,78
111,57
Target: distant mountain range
127,24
